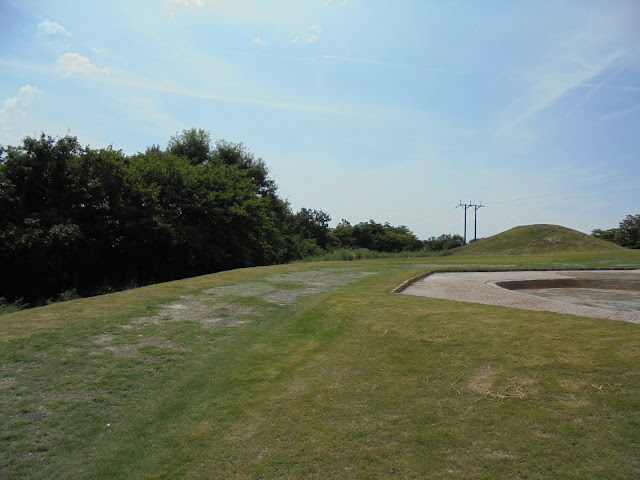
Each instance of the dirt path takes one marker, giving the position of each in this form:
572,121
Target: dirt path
480,287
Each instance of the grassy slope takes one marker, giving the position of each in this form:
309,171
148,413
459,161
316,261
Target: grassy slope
350,382
538,239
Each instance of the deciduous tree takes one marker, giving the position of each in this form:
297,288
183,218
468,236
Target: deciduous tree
629,232
193,144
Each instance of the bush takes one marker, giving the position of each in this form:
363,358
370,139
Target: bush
10,307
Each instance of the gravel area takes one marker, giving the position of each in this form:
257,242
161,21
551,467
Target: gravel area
480,287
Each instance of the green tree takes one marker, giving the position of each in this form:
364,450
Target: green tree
39,235
443,242
193,144
397,239
342,235
628,234
73,217
382,237
101,198
312,225
236,156
609,235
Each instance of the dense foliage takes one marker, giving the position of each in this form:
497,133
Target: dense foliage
626,235
80,220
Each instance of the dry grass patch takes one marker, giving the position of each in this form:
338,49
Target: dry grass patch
571,384
213,308
482,382
574,401
199,308
7,382
519,388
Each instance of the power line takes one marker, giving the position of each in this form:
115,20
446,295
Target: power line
567,192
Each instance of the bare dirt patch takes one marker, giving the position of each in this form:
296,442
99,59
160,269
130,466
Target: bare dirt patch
483,380
19,367
204,309
104,338
515,387
486,382
7,382
500,455
132,350
222,306
231,305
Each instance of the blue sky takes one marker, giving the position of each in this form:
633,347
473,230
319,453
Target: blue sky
393,111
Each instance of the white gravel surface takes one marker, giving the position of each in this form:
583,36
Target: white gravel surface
480,287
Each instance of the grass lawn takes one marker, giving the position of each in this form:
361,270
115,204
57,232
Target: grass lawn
317,370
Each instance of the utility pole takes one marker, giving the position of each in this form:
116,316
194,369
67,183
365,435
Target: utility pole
475,220
475,207
465,206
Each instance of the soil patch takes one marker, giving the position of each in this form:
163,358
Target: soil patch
226,306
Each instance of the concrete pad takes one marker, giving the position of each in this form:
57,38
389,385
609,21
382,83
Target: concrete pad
616,296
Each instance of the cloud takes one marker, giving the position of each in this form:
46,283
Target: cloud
75,63
146,113
167,87
191,5
17,105
326,3
309,35
258,42
342,59
554,82
47,27
619,113
244,9
590,47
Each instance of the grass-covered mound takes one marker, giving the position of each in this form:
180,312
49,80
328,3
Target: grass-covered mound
538,239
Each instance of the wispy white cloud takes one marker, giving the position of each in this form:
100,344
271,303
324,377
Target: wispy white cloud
310,35
268,102
146,111
258,42
619,113
338,59
191,5
326,3
174,89
593,89
244,9
48,27
342,59
75,63
552,82
17,105
585,53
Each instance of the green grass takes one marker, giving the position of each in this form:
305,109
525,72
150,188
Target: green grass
317,370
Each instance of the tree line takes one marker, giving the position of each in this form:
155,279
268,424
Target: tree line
626,235
82,220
